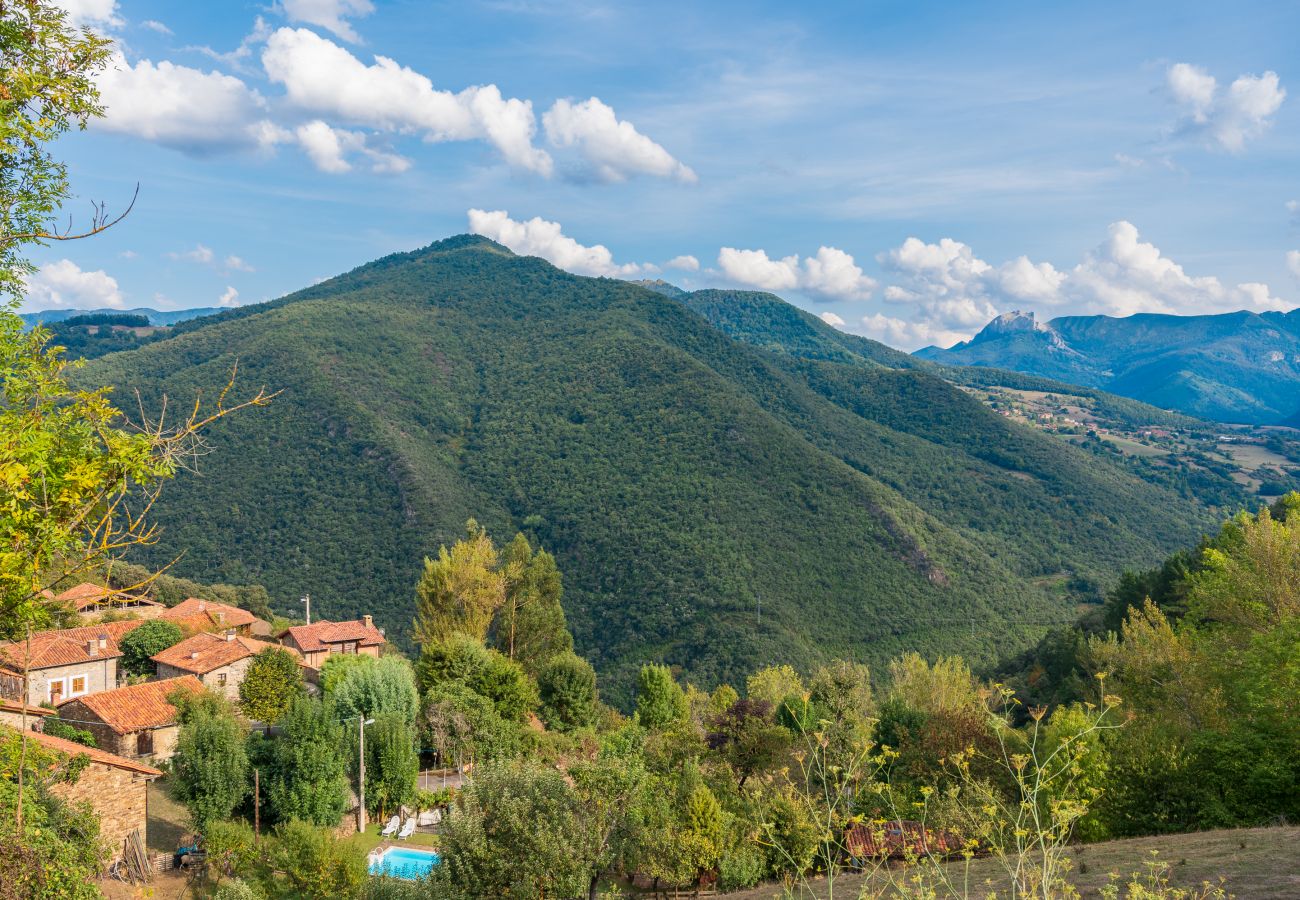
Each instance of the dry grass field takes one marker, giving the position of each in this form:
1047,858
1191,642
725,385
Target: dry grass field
1255,864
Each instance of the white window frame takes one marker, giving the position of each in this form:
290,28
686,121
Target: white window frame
66,682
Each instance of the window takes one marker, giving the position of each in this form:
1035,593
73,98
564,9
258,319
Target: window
144,743
78,686
221,679
56,689
350,647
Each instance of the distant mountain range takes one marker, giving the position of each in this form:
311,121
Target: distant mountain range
155,316
1240,367
722,477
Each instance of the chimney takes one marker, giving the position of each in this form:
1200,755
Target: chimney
230,634
202,606
103,641
221,617
92,648
194,655
368,622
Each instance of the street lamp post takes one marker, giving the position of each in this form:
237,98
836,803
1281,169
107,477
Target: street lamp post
362,722
307,600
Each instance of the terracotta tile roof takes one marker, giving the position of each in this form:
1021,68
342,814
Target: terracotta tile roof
319,635
205,652
64,647
897,839
108,759
13,706
88,594
200,615
139,706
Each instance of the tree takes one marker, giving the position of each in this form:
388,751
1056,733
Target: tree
55,851
48,69
660,701
392,765
608,791
1250,577
514,832
308,777
315,863
530,627
462,725
211,763
144,642
486,672
461,590
383,685
272,682
748,739
568,692
337,666
774,684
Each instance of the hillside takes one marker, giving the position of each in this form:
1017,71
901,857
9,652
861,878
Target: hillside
1237,367
155,316
681,478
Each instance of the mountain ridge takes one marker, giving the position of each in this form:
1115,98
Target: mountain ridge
682,477
1232,367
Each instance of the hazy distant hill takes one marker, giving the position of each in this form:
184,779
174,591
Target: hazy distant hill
682,478
1236,367
155,316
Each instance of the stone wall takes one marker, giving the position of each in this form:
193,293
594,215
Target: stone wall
234,674
101,675
117,796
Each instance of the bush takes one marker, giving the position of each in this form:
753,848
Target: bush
317,864
59,728
147,640
236,890
568,692
743,866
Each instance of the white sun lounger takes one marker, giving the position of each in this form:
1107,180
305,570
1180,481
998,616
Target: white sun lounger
391,828
407,830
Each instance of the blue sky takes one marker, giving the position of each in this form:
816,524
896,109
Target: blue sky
906,170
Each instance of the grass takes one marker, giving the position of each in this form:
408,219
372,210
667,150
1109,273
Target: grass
372,839
1255,863
168,821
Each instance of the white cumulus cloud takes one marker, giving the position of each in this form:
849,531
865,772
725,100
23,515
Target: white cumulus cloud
155,25
612,147
328,148
538,237
332,15
831,273
229,297
200,254
81,13
236,264
949,293
321,77
183,108
63,285
832,320
686,263
1226,118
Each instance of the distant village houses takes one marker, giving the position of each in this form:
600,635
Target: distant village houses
60,665
320,640
218,661
136,722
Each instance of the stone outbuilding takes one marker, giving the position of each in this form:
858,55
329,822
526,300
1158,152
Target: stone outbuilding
136,722
11,714
219,661
116,789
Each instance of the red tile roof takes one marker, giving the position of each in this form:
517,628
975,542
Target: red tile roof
319,635
200,615
205,652
88,594
72,748
139,706
64,647
13,706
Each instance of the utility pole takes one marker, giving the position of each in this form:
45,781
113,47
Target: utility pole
307,600
362,722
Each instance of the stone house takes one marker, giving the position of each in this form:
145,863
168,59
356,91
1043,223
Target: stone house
219,661
11,714
64,664
116,789
320,640
92,600
137,722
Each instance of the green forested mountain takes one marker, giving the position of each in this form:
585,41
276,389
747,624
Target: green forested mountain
1234,367
710,503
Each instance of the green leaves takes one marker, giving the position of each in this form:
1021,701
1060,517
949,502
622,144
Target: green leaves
272,682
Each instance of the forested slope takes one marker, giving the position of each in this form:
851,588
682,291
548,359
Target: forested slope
681,478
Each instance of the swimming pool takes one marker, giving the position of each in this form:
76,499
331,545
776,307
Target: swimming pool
403,862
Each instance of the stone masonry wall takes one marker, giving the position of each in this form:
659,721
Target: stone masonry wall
118,796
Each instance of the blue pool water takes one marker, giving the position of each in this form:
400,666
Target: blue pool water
399,862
